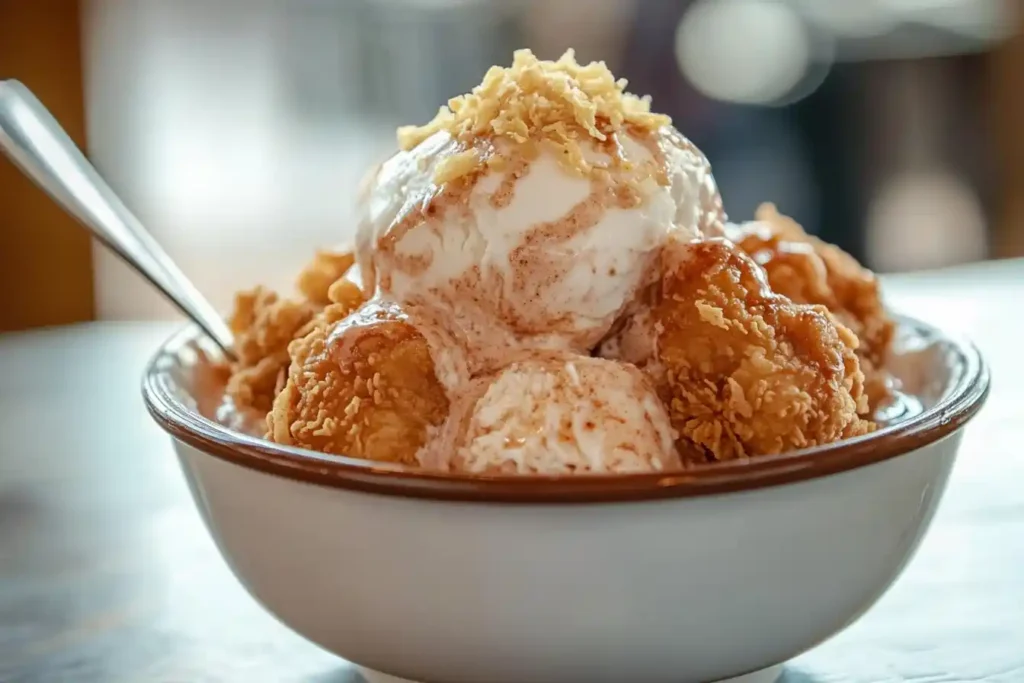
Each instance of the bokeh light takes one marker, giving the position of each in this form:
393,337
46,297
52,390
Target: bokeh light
744,51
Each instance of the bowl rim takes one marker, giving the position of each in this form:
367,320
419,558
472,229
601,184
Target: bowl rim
968,390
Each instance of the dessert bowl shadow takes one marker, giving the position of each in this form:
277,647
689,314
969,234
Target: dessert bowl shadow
674,577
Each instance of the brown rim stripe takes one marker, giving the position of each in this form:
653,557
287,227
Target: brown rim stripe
970,387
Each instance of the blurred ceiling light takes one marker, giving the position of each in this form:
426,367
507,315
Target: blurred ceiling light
745,51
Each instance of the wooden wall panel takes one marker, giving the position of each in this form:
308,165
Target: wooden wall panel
45,258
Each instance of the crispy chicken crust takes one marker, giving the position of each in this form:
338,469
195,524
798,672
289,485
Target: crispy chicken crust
362,386
265,324
326,268
810,271
746,372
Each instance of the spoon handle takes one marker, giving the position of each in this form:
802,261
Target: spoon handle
36,143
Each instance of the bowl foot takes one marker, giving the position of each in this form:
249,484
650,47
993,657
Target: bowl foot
769,675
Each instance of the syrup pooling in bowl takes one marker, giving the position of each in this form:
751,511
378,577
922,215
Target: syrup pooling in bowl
899,408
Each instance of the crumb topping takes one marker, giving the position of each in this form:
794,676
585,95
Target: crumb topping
456,166
559,103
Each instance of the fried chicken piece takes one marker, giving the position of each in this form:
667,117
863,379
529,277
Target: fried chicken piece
810,271
263,324
744,371
347,293
364,386
326,268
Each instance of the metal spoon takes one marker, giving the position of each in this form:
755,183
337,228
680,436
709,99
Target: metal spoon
35,142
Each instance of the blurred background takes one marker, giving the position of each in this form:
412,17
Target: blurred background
237,129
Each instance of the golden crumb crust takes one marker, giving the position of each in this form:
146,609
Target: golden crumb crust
326,268
810,271
264,324
746,372
363,386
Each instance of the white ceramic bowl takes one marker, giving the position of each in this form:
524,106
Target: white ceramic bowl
727,570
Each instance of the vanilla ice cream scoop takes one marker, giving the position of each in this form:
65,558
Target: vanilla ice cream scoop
557,413
535,231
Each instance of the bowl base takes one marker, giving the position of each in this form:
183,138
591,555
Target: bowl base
769,675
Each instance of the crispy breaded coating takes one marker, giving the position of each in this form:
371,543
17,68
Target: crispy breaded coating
265,323
346,293
363,386
810,271
326,268
744,371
